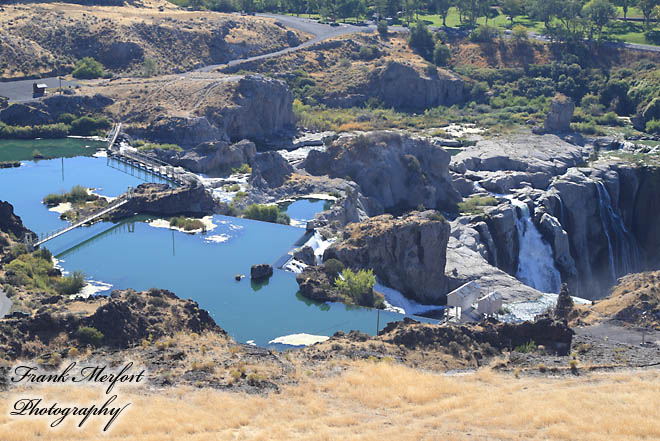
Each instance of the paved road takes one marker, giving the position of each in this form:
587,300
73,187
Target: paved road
319,31
21,90
5,303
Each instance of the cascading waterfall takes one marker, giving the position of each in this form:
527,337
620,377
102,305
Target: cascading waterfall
623,252
536,264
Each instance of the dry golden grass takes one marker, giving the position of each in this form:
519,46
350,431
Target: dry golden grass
375,401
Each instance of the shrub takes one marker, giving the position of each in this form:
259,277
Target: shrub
88,68
244,168
87,125
90,335
474,204
653,126
266,213
357,287
333,267
484,34
528,347
155,146
520,34
187,224
441,54
368,52
71,284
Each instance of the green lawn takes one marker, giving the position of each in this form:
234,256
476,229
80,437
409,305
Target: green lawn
631,32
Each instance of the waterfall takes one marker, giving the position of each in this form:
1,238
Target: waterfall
623,251
536,264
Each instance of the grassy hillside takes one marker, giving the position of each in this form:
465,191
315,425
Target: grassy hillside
373,401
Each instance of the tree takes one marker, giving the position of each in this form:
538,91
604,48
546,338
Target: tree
421,40
512,9
625,4
357,287
441,54
382,28
647,7
599,13
543,10
520,34
442,8
88,68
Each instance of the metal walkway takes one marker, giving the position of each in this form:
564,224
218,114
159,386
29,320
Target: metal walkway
107,209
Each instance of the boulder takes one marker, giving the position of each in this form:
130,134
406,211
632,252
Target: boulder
407,253
261,271
560,115
305,255
315,284
218,156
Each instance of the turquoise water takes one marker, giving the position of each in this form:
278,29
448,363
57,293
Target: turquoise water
303,210
135,254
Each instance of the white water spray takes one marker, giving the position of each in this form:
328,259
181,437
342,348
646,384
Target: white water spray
536,265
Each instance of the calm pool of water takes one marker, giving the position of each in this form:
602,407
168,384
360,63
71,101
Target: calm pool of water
23,149
135,254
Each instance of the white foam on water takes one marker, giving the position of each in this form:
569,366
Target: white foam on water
218,238
395,301
299,339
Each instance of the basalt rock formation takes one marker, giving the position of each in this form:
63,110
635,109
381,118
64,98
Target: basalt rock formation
162,200
10,223
47,110
407,253
398,171
125,319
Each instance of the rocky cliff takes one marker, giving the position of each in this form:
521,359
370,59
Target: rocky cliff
10,223
592,224
201,108
402,87
398,171
407,253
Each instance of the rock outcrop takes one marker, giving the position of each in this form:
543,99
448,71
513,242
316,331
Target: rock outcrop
211,157
402,87
47,110
162,200
269,169
559,118
10,223
552,334
407,253
125,319
398,171
209,109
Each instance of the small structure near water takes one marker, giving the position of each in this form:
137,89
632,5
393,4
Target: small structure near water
39,89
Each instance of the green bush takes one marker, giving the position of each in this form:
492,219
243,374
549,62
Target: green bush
78,194
244,168
71,284
87,125
441,54
653,126
368,52
357,287
475,204
88,68
528,347
266,213
90,336
333,267
187,224
484,34
154,146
